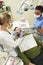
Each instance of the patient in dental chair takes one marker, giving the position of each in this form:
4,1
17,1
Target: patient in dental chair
18,33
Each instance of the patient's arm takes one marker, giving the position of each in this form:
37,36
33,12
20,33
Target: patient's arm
23,57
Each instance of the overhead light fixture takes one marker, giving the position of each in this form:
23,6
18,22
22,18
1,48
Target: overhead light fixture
25,6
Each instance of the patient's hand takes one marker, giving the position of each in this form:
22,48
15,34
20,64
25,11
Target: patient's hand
41,44
31,64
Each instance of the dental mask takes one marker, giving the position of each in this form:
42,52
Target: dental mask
36,16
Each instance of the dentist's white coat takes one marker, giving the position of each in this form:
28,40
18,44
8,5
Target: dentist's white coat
7,41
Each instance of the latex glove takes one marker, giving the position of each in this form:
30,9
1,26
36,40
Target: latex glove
32,28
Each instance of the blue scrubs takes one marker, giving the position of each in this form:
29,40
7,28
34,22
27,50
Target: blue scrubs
38,23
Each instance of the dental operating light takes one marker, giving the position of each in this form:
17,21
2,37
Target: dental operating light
25,6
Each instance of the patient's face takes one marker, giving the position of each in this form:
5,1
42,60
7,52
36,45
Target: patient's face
18,30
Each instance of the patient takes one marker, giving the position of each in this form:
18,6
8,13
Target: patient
19,33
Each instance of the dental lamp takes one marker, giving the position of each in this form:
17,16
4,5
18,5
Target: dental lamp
25,6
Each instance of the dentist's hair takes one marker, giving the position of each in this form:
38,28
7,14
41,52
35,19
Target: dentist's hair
40,8
4,17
